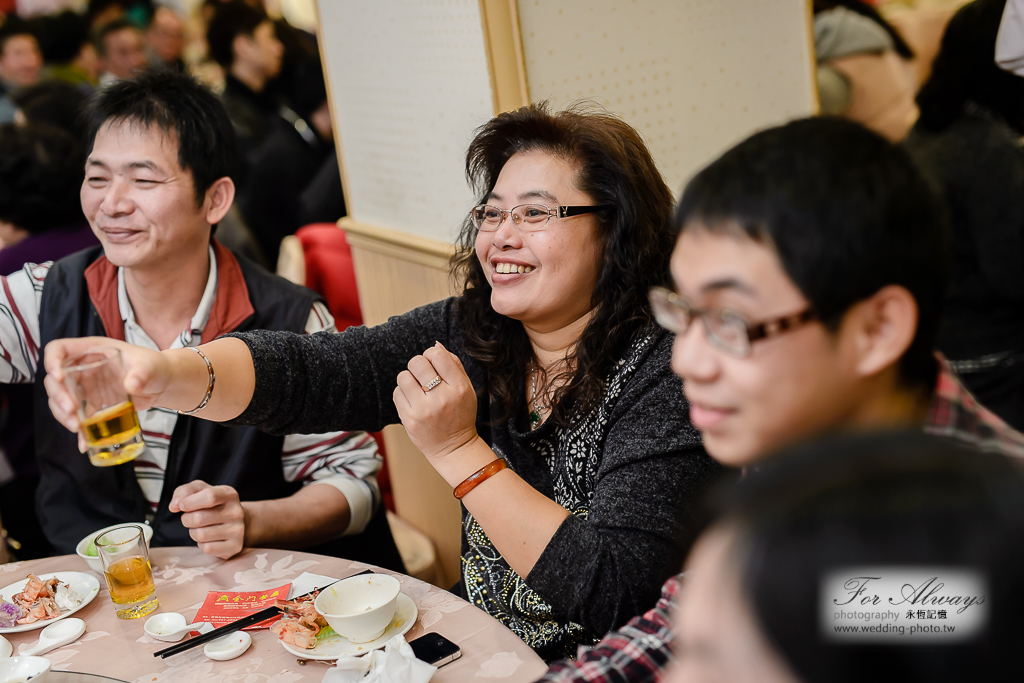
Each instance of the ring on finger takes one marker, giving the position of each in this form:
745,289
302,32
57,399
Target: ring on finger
434,383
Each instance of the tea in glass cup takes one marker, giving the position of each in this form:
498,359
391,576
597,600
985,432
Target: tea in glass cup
109,422
127,570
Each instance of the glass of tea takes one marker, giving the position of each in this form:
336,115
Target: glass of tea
127,570
109,422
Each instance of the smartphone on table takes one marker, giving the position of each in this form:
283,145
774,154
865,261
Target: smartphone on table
433,648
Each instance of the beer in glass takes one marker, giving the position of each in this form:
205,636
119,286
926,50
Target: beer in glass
109,422
126,568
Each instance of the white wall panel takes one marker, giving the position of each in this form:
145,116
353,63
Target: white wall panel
694,76
409,84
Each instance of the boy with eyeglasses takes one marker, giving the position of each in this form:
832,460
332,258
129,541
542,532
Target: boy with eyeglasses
809,275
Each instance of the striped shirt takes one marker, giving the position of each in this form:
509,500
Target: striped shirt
347,461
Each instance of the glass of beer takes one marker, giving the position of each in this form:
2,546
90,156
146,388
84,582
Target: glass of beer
109,422
127,570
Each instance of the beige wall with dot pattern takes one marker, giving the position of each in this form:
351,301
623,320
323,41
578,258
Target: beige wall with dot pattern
694,76
409,84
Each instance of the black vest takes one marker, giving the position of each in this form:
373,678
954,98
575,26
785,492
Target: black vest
75,498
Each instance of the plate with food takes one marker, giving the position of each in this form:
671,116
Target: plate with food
305,633
38,601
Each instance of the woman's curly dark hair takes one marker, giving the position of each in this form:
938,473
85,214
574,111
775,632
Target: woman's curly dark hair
615,168
41,172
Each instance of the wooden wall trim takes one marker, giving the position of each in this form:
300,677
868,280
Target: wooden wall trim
505,62
402,245
812,52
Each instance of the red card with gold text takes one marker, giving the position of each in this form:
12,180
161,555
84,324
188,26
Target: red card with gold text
224,607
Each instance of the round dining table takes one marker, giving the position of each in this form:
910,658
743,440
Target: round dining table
120,648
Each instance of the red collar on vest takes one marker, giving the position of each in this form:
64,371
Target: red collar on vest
231,305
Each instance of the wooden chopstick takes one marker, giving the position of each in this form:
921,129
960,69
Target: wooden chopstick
237,625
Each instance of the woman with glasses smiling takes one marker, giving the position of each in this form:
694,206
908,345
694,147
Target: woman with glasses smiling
542,394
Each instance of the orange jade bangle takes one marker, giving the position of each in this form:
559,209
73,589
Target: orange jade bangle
481,475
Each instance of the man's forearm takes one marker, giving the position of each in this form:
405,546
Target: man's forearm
314,514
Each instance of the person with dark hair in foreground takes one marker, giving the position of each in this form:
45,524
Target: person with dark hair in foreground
906,506
969,141
542,394
158,179
809,274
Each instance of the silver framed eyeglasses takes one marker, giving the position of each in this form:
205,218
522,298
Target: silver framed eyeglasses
526,217
726,330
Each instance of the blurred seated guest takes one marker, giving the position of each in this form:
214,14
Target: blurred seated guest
41,171
119,46
864,70
68,51
969,140
40,210
809,276
295,179
242,40
20,62
577,466
158,178
56,103
101,12
799,535
165,38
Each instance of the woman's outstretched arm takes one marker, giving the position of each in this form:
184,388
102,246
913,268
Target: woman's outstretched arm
175,379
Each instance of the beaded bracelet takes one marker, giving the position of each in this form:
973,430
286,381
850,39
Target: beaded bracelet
209,387
481,475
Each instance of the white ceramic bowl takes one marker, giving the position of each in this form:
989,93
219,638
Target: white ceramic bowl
35,669
360,607
94,560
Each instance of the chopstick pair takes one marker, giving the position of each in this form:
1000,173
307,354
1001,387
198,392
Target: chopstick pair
238,624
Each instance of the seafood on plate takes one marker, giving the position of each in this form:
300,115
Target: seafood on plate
39,600
301,622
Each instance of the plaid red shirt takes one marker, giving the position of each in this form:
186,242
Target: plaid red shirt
640,651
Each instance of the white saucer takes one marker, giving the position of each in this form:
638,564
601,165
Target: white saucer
335,646
228,647
6,649
86,585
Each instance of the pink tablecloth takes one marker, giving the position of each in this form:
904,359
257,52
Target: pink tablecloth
183,577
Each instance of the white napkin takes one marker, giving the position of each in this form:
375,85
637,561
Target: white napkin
1010,39
394,664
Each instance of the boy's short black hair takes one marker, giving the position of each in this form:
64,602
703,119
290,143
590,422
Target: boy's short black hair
181,107
230,20
900,500
847,212
15,26
41,171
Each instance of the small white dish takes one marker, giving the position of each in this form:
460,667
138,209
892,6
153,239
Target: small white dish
335,646
6,649
56,635
171,627
18,669
228,647
360,607
94,561
86,585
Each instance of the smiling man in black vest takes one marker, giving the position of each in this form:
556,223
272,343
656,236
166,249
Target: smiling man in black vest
158,180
